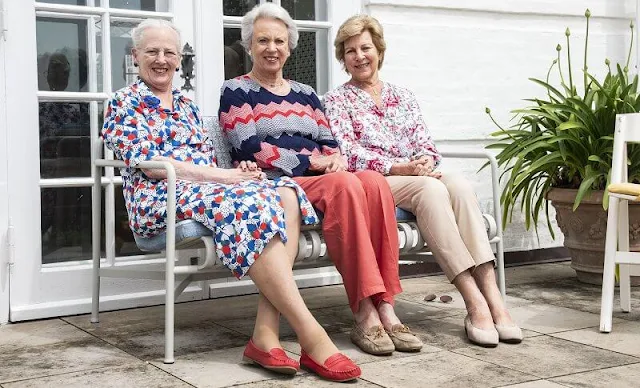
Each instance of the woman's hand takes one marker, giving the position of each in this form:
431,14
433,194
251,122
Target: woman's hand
231,176
417,167
247,165
327,163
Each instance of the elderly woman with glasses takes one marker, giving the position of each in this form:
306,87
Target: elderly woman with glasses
255,222
379,127
280,125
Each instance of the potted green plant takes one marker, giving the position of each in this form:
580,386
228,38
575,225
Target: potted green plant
560,149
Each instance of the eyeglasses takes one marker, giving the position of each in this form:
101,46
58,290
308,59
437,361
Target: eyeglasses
154,52
443,298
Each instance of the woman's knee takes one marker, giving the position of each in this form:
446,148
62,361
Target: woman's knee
431,187
457,183
344,182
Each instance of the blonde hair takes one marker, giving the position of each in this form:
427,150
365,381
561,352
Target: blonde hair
355,26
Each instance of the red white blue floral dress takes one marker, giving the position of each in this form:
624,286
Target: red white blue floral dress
244,217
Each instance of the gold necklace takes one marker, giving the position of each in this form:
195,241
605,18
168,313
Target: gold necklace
372,88
269,84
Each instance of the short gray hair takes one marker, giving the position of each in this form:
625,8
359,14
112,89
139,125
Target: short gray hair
269,11
138,32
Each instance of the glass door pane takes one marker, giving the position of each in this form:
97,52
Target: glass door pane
62,54
123,72
238,7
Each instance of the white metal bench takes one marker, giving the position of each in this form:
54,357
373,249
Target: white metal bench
190,234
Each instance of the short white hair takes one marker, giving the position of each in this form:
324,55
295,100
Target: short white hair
268,11
137,34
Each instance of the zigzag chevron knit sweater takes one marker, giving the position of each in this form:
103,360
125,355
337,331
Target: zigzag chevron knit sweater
279,133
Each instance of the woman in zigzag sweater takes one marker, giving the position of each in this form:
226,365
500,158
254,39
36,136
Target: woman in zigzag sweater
281,126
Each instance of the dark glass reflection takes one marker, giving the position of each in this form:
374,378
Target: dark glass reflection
65,147
301,65
236,59
66,225
237,7
62,54
300,9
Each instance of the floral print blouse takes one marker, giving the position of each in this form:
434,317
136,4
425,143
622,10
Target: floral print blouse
375,137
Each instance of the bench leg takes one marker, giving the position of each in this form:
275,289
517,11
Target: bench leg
169,317
501,277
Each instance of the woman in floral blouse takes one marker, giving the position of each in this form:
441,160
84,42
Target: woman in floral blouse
379,127
255,222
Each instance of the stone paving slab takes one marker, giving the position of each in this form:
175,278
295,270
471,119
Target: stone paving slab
536,384
538,273
142,335
219,368
306,382
624,337
138,374
619,377
560,318
547,319
570,293
440,369
52,347
545,357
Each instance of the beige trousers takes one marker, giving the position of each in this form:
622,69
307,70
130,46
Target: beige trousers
448,217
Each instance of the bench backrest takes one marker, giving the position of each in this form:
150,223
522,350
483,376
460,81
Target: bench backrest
219,141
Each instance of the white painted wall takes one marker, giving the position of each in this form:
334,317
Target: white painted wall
461,56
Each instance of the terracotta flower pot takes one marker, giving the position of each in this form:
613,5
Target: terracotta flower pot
585,230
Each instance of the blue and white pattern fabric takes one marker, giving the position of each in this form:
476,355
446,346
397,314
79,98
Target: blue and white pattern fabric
243,217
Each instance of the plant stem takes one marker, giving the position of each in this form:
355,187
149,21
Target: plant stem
586,41
569,63
560,66
630,47
549,73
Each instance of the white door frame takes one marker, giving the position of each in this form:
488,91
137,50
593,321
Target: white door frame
4,197
36,290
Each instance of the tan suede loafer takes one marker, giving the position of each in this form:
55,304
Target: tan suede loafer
374,341
403,339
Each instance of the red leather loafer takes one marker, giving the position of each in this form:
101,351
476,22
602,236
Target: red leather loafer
275,359
336,368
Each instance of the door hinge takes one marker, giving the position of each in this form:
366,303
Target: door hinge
3,21
12,245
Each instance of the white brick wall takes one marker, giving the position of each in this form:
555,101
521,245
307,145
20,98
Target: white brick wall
460,56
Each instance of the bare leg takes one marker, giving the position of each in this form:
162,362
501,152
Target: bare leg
485,278
273,276
367,315
388,315
476,305
266,332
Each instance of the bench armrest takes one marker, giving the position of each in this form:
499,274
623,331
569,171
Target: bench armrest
171,203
